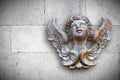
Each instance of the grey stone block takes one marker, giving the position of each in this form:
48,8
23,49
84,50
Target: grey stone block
34,66
63,9
8,67
30,39
5,40
21,12
95,9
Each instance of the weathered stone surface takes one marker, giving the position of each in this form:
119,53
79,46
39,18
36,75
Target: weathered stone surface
5,40
95,9
30,39
7,67
21,12
33,66
63,9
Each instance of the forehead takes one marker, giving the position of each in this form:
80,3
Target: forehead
78,22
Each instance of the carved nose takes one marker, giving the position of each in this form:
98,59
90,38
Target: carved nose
78,27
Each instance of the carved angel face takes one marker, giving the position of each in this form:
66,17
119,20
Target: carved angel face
79,29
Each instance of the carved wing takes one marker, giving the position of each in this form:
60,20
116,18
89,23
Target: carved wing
101,37
58,38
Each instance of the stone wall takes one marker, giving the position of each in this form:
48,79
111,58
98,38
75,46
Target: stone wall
25,52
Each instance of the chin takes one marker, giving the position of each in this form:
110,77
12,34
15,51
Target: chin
81,35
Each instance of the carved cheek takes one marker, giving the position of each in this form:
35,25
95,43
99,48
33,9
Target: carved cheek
86,32
74,33
73,30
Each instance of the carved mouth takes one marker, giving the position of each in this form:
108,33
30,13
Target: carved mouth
79,30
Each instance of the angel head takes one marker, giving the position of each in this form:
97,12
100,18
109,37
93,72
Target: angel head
78,28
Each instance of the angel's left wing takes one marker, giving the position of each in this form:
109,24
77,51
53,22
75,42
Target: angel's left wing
101,37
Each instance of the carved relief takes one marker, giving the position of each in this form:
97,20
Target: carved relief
80,32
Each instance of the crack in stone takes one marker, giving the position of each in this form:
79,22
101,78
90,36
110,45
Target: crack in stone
119,62
44,6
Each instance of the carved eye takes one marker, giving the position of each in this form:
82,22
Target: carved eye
77,27
83,25
74,26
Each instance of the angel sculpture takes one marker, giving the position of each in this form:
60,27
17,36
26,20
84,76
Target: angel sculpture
78,31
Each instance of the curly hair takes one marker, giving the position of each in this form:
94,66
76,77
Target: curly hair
74,18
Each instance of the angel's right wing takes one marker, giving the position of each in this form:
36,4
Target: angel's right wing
58,38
